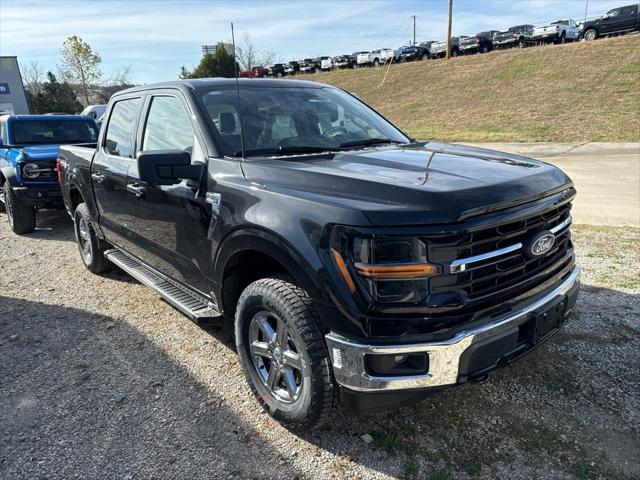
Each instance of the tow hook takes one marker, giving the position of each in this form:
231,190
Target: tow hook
480,378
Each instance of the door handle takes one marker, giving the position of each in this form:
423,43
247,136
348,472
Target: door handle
137,189
97,177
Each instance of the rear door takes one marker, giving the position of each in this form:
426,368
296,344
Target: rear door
628,17
170,223
110,166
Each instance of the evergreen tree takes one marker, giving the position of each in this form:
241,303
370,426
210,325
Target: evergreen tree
54,97
218,64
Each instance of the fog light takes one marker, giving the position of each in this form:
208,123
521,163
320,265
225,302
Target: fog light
390,365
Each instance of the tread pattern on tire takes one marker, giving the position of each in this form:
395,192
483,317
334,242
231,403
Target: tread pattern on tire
307,322
24,218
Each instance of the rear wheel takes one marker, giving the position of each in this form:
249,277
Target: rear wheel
563,38
22,219
590,34
279,74
425,56
376,63
283,354
521,43
90,247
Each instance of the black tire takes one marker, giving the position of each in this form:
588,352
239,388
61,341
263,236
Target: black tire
2,207
521,43
590,34
425,56
317,70
455,52
91,248
376,63
22,219
562,39
297,323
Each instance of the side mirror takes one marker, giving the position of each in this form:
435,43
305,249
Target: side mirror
168,167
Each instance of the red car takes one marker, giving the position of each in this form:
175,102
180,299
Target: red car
254,72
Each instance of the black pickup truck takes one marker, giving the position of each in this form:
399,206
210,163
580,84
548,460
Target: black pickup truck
514,36
355,263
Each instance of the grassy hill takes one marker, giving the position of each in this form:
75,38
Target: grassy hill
587,91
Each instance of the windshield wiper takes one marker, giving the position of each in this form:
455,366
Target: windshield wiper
368,141
286,150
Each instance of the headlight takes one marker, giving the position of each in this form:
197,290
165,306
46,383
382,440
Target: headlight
392,270
33,170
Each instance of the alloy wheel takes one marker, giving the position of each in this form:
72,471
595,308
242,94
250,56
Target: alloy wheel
276,357
84,239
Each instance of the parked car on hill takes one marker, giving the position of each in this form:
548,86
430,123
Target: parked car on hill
559,31
427,46
618,20
326,63
277,70
28,152
310,65
439,49
354,263
380,56
362,59
292,67
410,53
345,61
254,72
514,36
479,43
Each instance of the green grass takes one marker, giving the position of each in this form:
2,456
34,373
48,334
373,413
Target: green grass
579,92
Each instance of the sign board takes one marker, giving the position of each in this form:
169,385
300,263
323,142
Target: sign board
4,89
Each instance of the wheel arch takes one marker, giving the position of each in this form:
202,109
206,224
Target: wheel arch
249,254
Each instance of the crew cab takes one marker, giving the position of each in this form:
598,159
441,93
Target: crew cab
277,70
513,36
479,43
615,21
292,67
345,61
254,72
413,52
439,49
362,58
28,152
311,65
380,56
559,31
353,262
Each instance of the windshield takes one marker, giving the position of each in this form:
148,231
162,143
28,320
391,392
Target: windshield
290,120
53,132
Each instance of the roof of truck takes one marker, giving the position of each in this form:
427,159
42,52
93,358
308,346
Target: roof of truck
190,84
33,118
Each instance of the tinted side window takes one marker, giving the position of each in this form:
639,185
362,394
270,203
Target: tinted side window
168,126
122,124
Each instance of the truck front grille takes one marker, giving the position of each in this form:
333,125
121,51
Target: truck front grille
483,264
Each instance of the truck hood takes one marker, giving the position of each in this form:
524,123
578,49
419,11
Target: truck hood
418,184
38,153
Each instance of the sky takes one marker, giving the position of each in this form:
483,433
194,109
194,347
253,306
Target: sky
156,37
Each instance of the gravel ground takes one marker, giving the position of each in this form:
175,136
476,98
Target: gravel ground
101,379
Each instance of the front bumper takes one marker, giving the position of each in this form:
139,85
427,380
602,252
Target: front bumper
40,197
469,354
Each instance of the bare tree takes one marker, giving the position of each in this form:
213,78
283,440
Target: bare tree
246,54
119,80
33,77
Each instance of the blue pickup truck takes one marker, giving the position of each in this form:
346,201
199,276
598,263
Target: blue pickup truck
28,152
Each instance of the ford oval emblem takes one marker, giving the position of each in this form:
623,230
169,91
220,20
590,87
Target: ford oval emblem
541,243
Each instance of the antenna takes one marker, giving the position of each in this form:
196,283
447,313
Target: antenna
235,69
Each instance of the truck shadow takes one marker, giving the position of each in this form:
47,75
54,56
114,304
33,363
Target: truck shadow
88,396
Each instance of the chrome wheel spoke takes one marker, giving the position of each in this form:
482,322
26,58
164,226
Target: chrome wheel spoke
292,359
274,377
267,329
290,382
260,349
281,335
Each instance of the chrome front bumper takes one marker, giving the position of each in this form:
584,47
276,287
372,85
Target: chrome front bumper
348,358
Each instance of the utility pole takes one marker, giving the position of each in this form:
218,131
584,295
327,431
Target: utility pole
449,30
586,8
414,29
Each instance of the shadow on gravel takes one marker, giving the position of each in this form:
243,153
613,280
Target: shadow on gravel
86,396
53,225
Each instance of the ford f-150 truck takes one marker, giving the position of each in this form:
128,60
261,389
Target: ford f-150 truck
355,263
615,21
560,31
517,35
28,151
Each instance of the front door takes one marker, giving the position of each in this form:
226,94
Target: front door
110,167
170,223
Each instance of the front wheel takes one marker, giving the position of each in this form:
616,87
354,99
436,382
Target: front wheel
90,247
590,34
283,354
22,219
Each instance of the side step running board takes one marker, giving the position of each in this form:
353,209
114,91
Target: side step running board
193,304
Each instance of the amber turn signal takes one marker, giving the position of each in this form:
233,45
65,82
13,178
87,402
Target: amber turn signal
386,272
344,271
